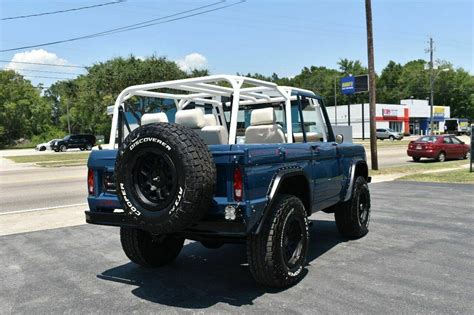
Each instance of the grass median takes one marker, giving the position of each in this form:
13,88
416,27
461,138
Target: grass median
454,176
53,160
419,167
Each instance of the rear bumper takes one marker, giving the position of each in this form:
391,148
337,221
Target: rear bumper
422,153
227,231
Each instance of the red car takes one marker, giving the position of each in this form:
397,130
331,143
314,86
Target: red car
438,147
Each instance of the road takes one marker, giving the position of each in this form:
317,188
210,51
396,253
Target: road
36,188
417,258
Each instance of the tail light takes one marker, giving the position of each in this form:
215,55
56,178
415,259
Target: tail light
238,184
90,181
410,145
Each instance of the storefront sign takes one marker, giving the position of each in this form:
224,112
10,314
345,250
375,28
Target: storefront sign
438,111
389,112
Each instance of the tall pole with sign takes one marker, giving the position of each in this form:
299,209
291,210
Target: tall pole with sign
370,55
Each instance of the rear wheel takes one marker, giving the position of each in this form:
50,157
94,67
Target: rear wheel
88,147
441,157
416,159
277,255
353,216
148,250
62,148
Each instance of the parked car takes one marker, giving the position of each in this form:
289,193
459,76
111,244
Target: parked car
228,169
83,142
45,146
441,148
387,133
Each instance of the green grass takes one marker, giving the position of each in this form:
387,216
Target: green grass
423,166
455,176
64,158
383,144
62,163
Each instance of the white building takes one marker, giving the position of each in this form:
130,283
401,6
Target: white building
410,116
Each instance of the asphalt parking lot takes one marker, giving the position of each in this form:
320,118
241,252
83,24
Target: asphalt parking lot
417,258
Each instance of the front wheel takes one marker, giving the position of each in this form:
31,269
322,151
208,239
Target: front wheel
353,216
391,138
148,250
277,255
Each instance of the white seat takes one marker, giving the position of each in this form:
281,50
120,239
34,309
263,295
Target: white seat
263,127
210,120
153,118
196,120
191,118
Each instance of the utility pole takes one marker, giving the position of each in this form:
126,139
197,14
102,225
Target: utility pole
430,50
68,122
372,95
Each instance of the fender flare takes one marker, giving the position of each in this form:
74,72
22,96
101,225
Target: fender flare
352,173
275,186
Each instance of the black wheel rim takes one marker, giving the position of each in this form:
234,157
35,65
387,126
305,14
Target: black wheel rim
155,179
364,209
293,242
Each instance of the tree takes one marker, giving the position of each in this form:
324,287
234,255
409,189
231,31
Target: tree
23,112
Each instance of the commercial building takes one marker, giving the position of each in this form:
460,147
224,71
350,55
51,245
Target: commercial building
419,123
410,116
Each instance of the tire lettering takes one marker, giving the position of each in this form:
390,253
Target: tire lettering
129,204
149,139
177,201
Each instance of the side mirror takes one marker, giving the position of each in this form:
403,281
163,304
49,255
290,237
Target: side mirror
339,139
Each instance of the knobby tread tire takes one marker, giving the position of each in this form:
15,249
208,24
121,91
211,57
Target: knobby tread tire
147,250
199,176
264,253
346,214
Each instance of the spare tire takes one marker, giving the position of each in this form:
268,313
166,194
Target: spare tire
165,177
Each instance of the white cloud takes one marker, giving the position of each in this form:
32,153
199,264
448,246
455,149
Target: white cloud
33,71
192,61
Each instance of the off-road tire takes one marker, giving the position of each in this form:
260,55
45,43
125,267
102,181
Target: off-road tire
191,166
348,214
148,250
265,252
441,157
416,159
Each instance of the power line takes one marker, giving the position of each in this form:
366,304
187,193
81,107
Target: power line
136,25
43,64
45,71
61,11
46,77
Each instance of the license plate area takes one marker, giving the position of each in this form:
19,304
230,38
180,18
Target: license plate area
418,147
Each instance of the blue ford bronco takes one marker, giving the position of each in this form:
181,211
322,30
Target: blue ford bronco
225,159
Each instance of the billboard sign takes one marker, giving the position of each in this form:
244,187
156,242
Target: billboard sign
353,85
347,85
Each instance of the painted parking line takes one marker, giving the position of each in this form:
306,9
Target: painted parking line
44,209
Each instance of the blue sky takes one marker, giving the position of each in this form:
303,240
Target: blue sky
255,36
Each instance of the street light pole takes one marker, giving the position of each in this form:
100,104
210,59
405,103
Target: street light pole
335,100
431,85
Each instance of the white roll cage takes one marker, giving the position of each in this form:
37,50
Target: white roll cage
206,90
